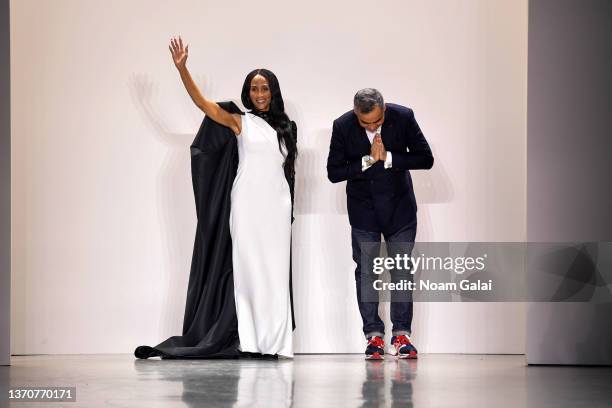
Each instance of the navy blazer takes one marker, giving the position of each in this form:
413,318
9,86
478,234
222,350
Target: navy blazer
379,199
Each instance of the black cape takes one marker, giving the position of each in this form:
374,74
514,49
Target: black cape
210,325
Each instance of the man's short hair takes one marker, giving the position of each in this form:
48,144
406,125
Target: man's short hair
367,99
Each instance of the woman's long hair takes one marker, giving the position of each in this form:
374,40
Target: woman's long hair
276,117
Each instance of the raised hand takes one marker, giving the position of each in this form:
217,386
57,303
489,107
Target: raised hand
179,53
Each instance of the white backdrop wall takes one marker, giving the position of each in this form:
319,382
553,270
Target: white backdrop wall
103,217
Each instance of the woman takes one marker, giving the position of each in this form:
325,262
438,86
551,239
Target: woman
259,222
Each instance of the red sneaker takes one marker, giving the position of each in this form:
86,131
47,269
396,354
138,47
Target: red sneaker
375,349
403,347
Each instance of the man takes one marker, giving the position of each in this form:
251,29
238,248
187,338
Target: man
373,147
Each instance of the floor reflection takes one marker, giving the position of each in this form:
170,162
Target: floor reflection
373,388
224,383
312,381
251,383
401,383
350,381
376,391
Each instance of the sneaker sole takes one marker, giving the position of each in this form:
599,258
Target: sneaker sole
411,356
375,356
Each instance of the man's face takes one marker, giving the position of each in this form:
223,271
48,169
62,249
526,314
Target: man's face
371,120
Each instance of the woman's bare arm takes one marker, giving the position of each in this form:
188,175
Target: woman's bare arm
210,108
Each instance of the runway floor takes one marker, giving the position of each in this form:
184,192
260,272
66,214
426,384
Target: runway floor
435,380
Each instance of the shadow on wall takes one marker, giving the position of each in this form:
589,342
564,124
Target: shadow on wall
431,186
315,194
177,215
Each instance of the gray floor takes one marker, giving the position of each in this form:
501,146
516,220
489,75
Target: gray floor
436,380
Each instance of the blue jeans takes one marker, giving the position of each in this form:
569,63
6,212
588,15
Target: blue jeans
401,309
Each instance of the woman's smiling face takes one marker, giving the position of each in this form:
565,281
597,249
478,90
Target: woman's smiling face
260,93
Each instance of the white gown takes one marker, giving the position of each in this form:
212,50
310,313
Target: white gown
260,225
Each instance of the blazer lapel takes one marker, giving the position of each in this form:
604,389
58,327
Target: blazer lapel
360,138
387,132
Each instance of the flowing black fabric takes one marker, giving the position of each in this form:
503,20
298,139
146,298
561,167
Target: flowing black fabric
210,324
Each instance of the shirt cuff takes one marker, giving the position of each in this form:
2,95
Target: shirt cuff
388,161
364,163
